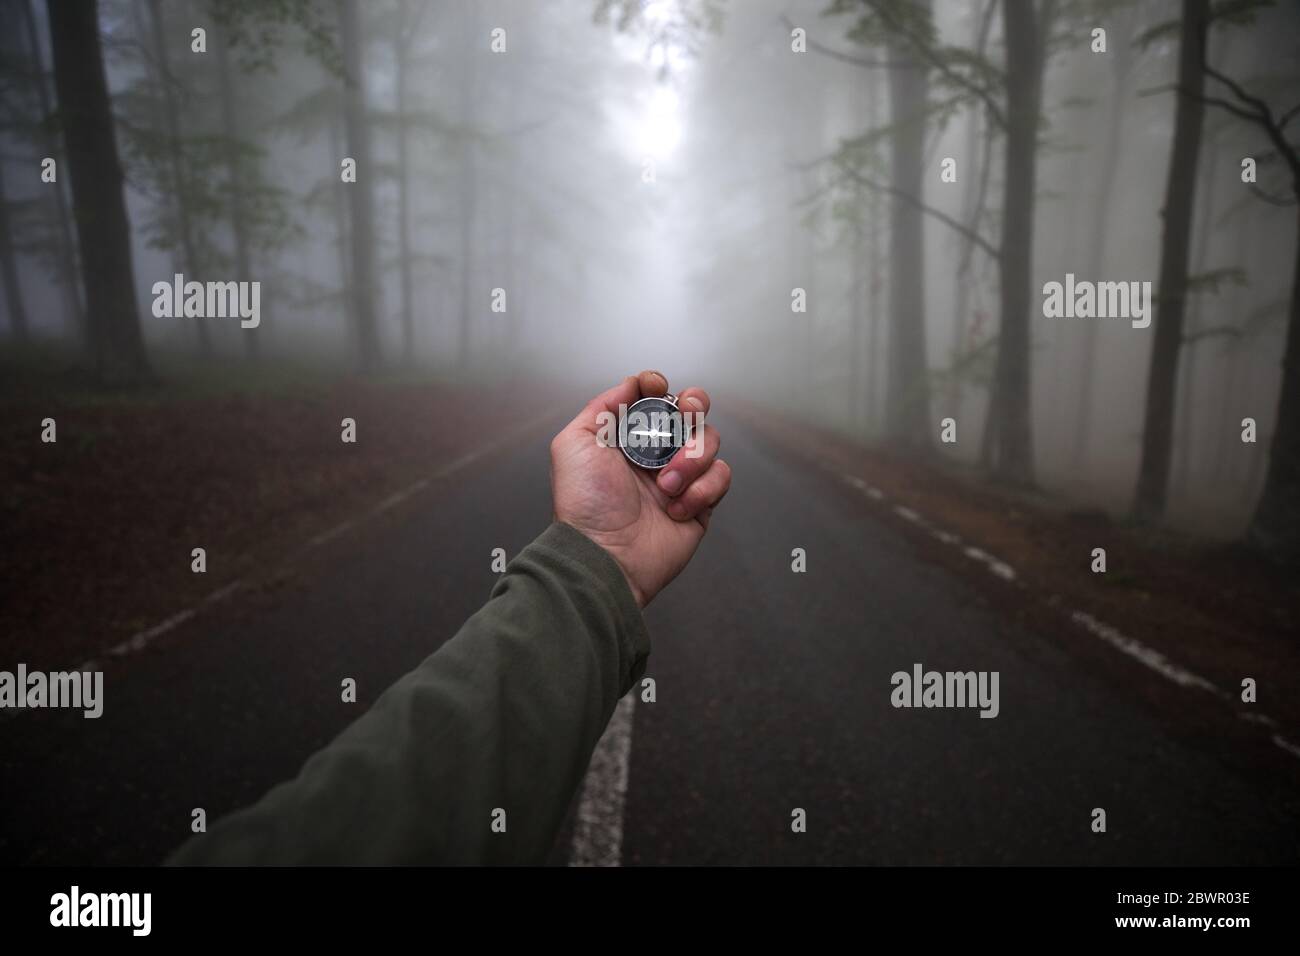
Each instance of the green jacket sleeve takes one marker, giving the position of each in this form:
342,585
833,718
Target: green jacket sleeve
504,716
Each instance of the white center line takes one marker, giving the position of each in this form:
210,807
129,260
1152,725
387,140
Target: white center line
598,832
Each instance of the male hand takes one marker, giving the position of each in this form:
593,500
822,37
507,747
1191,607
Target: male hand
650,521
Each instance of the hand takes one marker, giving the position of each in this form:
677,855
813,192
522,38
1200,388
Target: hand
650,522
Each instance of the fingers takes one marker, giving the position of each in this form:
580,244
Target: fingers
690,462
703,494
653,384
694,400
625,392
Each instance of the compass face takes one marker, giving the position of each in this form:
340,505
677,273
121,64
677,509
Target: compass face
651,432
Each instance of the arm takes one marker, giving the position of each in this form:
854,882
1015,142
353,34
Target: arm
506,714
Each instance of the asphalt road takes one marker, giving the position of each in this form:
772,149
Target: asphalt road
773,693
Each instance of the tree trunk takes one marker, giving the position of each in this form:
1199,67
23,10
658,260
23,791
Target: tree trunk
469,186
1180,194
14,304
360,193
1185,420
857,316
1097,246
907,403
238,198
103,231
1276,524
70,286
402,68
176,164
874,282
338,209
1013,450
972,207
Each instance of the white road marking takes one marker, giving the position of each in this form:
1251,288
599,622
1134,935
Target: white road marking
1253,718
1286,745
331,534
1002,570
142,639
907,514
598,832
139,640
1147,655
1112,636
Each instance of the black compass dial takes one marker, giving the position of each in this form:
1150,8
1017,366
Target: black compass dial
651,432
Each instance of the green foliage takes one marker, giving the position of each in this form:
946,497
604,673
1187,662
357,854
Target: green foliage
34,229
258,30
198,180
882,22
974,366
677,25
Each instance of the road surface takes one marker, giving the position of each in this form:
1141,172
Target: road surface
773,694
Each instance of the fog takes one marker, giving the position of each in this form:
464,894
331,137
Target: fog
580,189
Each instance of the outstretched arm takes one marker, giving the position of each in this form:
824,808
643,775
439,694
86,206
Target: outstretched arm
503,717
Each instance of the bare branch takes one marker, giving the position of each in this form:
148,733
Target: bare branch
849,57
911,200
1232,108
923,50
1263,116
1259,105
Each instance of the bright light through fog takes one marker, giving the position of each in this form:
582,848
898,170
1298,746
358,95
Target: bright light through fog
660,128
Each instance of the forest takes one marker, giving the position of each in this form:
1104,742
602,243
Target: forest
311,313
853,212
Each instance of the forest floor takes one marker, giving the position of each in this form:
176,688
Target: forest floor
1217,611
248,465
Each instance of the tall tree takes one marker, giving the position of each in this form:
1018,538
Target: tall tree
236,174
184,228
967,77
99,206
361,204
468,183
1275,525
1180,191
979,142
1026,27
406,24
66,268
907,403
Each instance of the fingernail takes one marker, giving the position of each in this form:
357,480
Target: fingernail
695,403
677,510
671,482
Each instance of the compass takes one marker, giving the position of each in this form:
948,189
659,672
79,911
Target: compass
651,431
